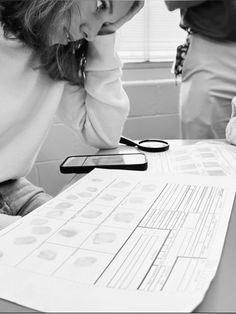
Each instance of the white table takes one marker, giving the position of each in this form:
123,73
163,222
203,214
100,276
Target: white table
221,296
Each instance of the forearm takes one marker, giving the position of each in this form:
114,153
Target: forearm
107,103
107,109
98,111
182,4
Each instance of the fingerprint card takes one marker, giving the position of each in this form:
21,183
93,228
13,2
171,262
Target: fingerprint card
15,246
124,218
114,238
93,214
123,185
138,201
110,197
46,259
72,234
57,214
84,266
106,239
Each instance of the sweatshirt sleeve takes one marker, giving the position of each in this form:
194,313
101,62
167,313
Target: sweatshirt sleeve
98,111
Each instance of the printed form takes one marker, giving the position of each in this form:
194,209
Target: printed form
119,241
203,158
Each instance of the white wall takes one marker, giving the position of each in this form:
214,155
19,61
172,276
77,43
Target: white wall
154,114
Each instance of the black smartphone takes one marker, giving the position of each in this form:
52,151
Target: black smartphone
86,163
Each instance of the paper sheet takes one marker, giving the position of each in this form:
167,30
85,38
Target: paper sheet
119,241
202,158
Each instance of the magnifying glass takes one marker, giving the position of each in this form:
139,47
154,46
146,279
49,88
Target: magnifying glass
151,145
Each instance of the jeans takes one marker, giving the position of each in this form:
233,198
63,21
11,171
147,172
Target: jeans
20,197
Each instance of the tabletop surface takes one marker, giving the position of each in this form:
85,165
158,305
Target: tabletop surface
220,296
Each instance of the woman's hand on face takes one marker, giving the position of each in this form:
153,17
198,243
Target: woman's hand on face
109,28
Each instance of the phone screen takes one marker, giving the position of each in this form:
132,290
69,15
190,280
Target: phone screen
80,161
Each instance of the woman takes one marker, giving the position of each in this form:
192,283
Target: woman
56,56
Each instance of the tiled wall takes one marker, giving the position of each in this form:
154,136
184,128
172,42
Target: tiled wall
154,114
154,109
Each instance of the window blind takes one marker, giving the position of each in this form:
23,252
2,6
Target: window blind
152,35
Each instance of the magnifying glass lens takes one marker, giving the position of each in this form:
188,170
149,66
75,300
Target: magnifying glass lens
152,144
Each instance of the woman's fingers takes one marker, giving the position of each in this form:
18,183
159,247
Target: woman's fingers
135,8
112,27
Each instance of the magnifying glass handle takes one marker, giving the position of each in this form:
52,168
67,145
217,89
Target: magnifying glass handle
127,141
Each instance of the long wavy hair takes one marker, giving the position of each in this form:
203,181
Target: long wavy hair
34,22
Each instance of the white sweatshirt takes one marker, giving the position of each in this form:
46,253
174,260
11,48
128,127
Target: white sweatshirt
29,100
